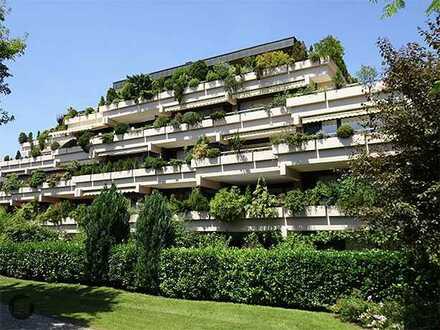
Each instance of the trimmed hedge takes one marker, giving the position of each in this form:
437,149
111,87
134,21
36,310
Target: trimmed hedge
277,277
55,261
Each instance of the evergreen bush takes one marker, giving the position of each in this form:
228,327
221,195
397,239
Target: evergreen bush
106,223
153,229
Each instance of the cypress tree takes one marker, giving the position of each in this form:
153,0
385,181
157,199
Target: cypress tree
153,232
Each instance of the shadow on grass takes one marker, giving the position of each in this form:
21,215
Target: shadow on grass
75,303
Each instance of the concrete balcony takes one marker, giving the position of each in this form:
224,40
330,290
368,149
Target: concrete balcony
313,219
27,165
208,93
326,153
350,101
277,164
87,122
254,123
63,156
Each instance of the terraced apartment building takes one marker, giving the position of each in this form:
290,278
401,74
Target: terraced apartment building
270,111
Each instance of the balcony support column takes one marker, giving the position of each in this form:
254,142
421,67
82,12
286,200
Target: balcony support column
289,172
143,189
202,182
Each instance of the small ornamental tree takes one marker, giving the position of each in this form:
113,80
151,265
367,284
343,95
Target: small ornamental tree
106,223
22,138
153,232
18,155
263,203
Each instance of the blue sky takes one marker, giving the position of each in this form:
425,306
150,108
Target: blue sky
77,48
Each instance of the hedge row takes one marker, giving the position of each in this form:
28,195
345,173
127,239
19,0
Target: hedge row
278,277
55,261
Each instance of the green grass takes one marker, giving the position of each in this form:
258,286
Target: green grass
107,308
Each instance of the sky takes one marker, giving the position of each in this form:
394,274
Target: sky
77,48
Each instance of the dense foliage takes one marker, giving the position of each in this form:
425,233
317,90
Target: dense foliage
106,223
228,205
153,228
56,261
10,49
408,181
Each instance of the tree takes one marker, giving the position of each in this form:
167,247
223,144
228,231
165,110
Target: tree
263,203
106,223
408,181
22,138
18,155
393,6
153,232
10,49
367,76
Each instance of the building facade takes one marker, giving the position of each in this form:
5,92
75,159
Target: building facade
244,131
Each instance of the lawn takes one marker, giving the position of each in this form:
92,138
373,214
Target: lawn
107,308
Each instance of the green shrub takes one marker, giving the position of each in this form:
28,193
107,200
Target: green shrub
262,203
101,101
153,228
271,60
386,315
222,70
6,158
37,179
35,151
213,152
56,261
22,138
105,224
197,202
176,162
192,118
198,70
122,263
295,201
54,146
161,121
354,194
108,137
23,231
11,183
344,131
218,115
324,193
18,155
154,163
228,205
194,82
235,142
278,277
89,111
350,309
121,128
42,139
211,76
111,96
84,140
